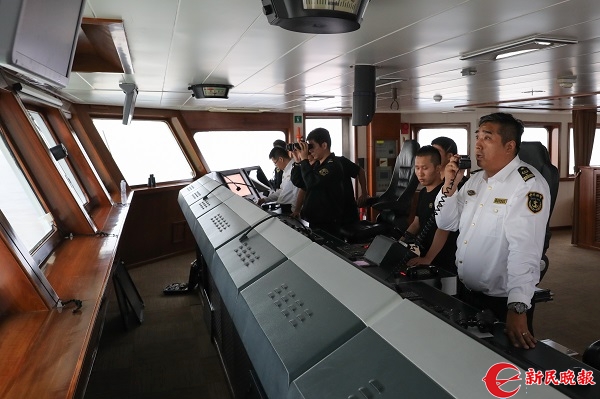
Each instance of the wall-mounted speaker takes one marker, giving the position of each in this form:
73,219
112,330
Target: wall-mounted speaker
364,97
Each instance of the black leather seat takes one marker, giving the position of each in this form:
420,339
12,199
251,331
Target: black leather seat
535,154
394,204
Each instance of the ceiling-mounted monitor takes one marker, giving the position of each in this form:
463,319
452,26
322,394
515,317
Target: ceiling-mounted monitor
38,38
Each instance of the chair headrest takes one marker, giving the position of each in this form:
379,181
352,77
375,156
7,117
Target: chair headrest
407,153
534,153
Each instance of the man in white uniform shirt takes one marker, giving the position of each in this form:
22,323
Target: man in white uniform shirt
287,193
501,213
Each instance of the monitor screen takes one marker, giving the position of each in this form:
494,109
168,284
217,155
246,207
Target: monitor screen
38,38
236,183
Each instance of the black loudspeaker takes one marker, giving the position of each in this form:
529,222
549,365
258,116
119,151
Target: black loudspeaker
388,253
364,97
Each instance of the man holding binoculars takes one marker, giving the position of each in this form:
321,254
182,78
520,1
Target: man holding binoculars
321,181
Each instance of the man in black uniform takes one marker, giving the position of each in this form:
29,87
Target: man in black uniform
322,182
437,247
352,171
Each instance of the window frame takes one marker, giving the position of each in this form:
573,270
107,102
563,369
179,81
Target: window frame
416,127
176,138
570,173
553,129
87,203
262,154
51,240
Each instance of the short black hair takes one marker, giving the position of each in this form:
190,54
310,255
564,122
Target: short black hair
277,152
320,135
279,143
510,127
446,143
432,152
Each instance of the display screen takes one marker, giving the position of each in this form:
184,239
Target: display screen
236,183
44,39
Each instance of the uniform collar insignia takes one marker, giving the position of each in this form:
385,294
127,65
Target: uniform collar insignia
471,193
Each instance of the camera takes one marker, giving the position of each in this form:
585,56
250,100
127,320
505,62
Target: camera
295,146
464,162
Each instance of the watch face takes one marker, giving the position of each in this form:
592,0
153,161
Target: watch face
518,307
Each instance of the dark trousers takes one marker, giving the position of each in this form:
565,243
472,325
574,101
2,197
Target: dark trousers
494,303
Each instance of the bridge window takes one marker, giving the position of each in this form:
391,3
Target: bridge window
333,125
595,159
459,134
142,148
224,150
536,134
19,204
63,167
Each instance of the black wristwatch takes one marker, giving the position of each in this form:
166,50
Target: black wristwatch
517,307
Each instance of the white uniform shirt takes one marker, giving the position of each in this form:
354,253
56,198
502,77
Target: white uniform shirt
502,230
287,192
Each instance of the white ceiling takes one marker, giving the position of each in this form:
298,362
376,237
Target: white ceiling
176,43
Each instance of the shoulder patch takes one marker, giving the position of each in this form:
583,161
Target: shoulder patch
525,173
323,171
535,201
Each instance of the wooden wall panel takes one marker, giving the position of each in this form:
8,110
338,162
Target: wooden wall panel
196,121
17,293
155,226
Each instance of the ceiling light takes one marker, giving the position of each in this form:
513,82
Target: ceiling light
566,82
516,47
389,81
240,110
315,16
338,109
317,98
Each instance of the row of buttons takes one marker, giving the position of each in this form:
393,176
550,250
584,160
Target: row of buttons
220,222
246,254
288,303
204,204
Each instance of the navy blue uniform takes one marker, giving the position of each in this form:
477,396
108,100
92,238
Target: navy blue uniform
324,197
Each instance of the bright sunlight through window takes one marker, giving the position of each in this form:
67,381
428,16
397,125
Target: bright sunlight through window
143,148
